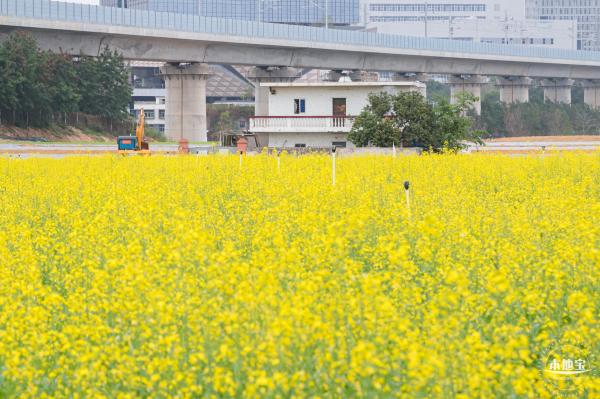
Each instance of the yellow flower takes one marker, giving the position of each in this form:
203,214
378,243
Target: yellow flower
182,277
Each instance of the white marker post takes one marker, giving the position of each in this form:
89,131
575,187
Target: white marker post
394,149
241,159
407,192
333,165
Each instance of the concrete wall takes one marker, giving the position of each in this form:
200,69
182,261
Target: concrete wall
319,99
309,139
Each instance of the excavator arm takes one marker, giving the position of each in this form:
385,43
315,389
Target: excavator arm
139,130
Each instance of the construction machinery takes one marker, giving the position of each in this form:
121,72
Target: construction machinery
128,145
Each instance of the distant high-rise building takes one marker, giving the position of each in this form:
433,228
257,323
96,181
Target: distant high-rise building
302,12
178,6
299,12
483,21
584,13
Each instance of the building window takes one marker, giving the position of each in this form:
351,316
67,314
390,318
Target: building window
149,114
242,124
300,145
299,106
339,144
161,114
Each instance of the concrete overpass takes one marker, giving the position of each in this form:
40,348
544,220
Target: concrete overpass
177,38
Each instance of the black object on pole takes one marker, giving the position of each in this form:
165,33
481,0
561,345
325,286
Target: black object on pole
406,185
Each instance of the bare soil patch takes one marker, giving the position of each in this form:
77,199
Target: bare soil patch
545,138
64,135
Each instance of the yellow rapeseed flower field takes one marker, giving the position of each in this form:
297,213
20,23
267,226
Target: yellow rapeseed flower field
187,277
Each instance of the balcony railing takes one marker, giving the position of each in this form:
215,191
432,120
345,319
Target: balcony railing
300,124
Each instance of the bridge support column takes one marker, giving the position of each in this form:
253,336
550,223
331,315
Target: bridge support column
272,75
514,89
185,114
557,90
591,93
466,84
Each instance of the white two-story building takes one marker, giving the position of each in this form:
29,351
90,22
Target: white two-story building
317,114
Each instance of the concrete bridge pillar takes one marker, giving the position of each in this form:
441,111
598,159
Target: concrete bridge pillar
268,74
591,93
514,89
557,90
185,114
466,84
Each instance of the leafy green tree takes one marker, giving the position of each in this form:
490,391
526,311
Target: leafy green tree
374,125
10,76
225,123
63,85
537,117
414,117
437,91
104,82
452,125
35,85
21,92
408,119
492,113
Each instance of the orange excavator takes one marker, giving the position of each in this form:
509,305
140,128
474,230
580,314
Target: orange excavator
128,145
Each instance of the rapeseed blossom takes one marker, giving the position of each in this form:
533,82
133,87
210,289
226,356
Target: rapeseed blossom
186,277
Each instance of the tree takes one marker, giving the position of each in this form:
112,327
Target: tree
408,119
374,126
492,113
21,92
63,88
225,123
104,82
452,126
436,91
34,85
414,117
537,117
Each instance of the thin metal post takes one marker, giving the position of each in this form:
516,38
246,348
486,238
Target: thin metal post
333,167
278,163
407,192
